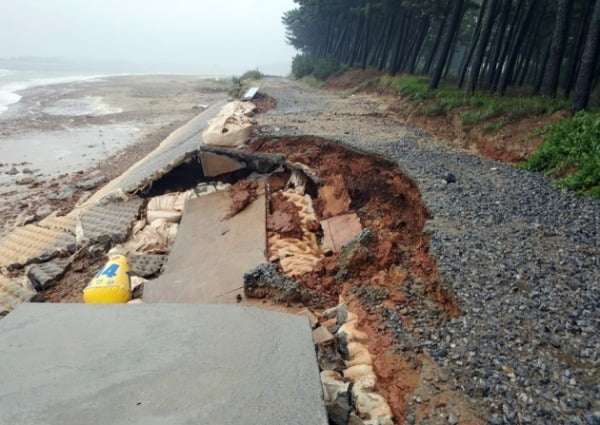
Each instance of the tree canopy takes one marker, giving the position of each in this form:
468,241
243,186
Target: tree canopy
549,46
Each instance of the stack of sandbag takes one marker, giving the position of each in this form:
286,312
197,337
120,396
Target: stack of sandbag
231,127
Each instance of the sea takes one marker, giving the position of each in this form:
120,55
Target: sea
13,81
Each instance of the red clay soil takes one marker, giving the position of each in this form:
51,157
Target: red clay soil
283,217
243,193
388,203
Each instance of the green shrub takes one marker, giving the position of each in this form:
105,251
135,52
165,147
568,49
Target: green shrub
325,67
571,151
253,74
313,82
236,87
303,65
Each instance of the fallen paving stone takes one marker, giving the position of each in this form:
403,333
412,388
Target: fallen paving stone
43,212
13,294
322,336
90,184
110,221
266,281
337,397
210,255
157,363
215,165
146,265
64,193
338,231
44,275
34,243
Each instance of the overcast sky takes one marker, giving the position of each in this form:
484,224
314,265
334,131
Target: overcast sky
196,36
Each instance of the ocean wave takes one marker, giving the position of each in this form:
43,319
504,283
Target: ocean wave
10,87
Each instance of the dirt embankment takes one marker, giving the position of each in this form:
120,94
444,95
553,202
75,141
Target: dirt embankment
503,139
393,270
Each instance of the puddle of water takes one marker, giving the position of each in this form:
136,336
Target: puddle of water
59,152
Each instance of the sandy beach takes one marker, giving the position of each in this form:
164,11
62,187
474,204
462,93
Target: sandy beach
62,139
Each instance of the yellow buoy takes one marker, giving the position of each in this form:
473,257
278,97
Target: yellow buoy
111,285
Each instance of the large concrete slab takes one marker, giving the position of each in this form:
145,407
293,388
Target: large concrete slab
157,364
210,255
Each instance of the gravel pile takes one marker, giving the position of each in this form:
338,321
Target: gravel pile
521,258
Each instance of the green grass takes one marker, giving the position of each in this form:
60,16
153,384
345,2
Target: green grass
480,107
571,152
312,81
253,74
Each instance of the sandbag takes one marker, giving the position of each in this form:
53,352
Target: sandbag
168,207
111,285
231,127
156,237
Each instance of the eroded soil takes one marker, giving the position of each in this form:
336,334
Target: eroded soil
391,282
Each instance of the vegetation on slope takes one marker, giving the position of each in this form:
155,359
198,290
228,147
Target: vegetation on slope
571,152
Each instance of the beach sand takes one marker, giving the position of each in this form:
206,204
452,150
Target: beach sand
63,134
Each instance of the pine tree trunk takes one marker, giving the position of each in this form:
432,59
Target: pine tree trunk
447,43
486,30
559,39
583,85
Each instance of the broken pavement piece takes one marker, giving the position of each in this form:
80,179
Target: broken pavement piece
90,183
265,281
322,336
146,265
64,193
43,276
32,243
110,221
333,197
13,294
338,231
211,255
215,165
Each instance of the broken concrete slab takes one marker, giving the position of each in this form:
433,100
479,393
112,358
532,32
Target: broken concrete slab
265,281
33,243
250,93
338,231
146,265
261,163
215,165
13,294
110,221
90,183
171,364
43,276
211,255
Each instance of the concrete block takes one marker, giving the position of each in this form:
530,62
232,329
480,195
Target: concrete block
157,364
216,165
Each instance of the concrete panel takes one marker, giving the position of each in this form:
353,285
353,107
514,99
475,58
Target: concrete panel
157,364
33,243
215,165
338,231
210,255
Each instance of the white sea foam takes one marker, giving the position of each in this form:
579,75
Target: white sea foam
12,82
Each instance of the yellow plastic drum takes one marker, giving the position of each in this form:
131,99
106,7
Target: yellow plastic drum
111,285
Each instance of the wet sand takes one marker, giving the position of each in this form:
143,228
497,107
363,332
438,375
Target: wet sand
59,135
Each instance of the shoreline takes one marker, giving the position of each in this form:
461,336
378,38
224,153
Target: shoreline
50,142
